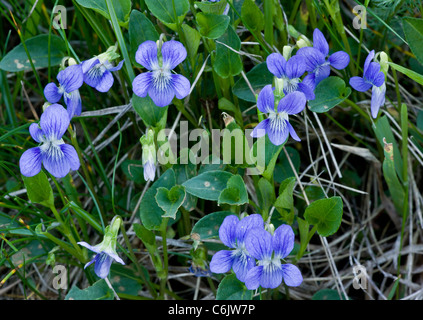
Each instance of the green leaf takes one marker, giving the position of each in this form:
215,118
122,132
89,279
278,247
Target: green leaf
122,8
326,294
329,93
146,236
208,226
193,43
285,201
227,62
409,73
170,200
150,212
184,172
252,16
212,26
265,195
208,185
140,29
413,31
17,60
164,11
212,7
39,190
269,157
326,214
235,192
98,291
133,170
258,77
151,114
230,288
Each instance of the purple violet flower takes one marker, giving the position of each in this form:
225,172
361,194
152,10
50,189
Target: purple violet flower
160,83
290,72
70,80
56,156
232,233
277,124
98,74
269,250
315,59
372,78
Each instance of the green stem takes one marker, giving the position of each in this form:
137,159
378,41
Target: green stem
268,18
163,279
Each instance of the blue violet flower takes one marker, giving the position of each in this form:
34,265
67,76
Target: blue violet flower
315,59
269,250
160,84
232,233
57,157
70,80
277,124
372,78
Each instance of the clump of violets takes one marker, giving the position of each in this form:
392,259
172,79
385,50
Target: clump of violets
57,157
270,252
98,70
106,250
232,233
70,80
148,155
316,63
277,126
372,78
159,83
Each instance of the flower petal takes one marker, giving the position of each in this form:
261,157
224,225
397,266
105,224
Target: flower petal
320,42
173,53
291,275
221,262
321,73
52,93
359,84
142,83
378,99
283,241
71,78
307,89
162,96
54,121
266,100
292,103
374,75
30,162
313,58
246,224
181,85
227,231
56,163
271,276
309,81
258,243
71,155
117,67
292,132
149,171
102,265
115,257
260,129
252,280
339,60
105,82
88,64
278,133
295,67
146,55
369,59
73,103
276,64
88,246
241,265
36,132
